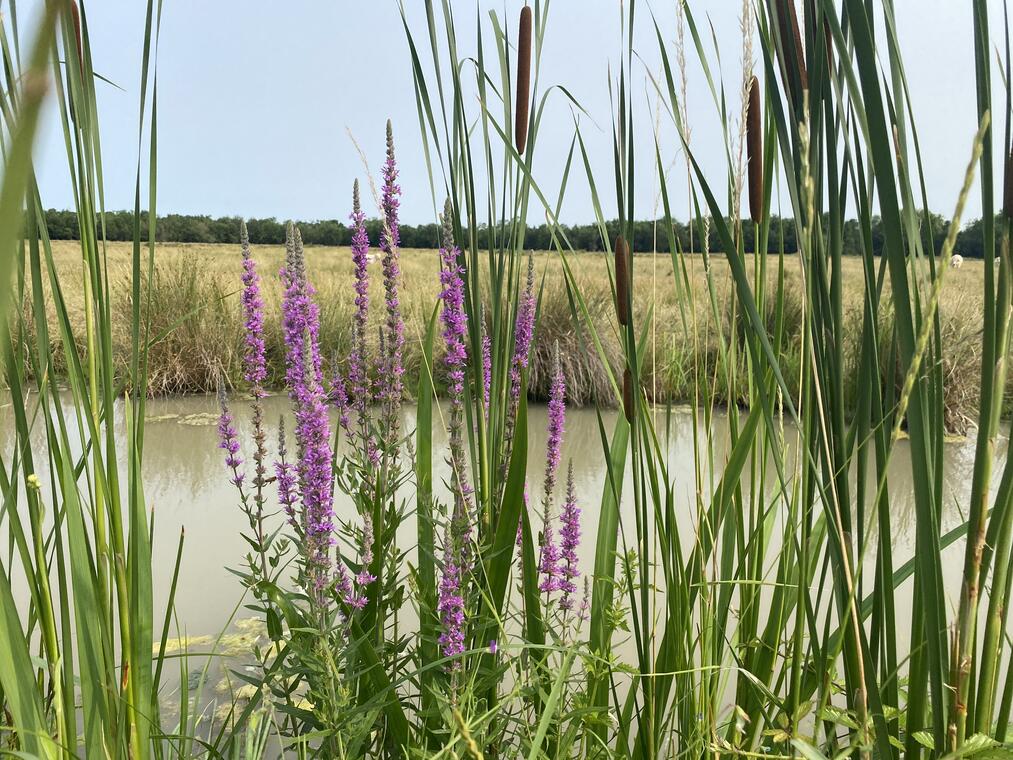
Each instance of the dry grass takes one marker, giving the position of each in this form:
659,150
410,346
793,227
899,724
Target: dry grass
197,331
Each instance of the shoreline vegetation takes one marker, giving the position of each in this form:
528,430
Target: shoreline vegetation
197,331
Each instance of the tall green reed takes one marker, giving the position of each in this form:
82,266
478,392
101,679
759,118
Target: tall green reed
87,563
79,677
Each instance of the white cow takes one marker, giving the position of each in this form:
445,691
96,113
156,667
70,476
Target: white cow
373,257
956,260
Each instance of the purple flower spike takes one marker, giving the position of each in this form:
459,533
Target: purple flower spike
358,377
569,542
458,535
285,476
451,604
486,365
523,333
557,424
301,327
548,563
585,602
228,441
254,359
455,329
391,387
364,578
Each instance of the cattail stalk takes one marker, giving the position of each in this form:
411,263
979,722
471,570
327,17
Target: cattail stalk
523,79
622,254
1007,196
787,26
754,151
628,394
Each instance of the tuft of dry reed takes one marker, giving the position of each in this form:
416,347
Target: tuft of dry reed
754,151
523,79
622,255
787,25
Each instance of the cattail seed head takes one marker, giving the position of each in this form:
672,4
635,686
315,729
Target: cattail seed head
523,79
1007,198
754,151
787,26
622,254
628,394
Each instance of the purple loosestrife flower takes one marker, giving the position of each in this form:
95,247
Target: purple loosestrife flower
301,328
585,602
254,359
228,441
351,589
339,399
347,590
364,578
486,363
548,565
457,539
358,376
300,319
569,534
455,329
523,333
557,424
254,370
450,606
391,385
284,473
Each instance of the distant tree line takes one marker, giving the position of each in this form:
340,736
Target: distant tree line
647,235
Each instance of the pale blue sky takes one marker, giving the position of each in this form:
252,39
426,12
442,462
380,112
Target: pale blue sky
255,98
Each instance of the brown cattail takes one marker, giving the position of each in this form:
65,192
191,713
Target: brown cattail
1007,195
754,151
523,78
787,26
628,394
622,252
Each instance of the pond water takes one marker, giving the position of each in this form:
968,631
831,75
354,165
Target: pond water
186,487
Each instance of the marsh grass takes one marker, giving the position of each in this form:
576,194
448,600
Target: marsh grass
196,330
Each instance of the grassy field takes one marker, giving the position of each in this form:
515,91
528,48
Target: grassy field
197,333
